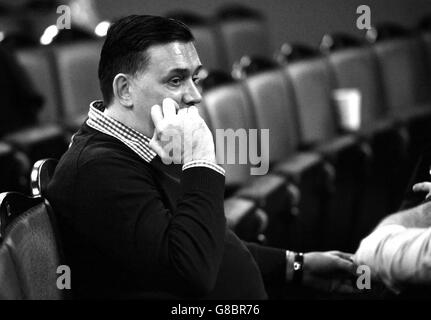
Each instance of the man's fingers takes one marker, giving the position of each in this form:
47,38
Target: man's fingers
346,267
343,255
157,148
422,186
169,107
182,112
345,286
157,115
192,110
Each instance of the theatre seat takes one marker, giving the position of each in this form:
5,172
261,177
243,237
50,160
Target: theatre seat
44,137
273,103
357,68
226,110
319,131
31,242
77,65
207,43
10,288
407,86
38,64
243,32
247,221
405,76
14,169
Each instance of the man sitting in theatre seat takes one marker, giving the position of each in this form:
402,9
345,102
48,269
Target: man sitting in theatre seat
136,227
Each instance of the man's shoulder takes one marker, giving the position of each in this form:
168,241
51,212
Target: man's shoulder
90,147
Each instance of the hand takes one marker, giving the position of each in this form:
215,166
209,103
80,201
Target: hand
180,137
331,271
423,187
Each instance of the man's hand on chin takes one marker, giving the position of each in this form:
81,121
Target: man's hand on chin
181,137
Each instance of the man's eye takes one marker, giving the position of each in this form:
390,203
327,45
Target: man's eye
175,81
196,80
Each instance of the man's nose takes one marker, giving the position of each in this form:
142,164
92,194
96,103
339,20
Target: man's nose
192,95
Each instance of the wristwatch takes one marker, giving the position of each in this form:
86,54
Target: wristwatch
298,268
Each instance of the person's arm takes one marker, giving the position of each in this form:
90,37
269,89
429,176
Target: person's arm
398,251
329,271
415,195
123,213
416,217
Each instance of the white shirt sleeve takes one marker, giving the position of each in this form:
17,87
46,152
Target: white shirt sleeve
203,163
397,255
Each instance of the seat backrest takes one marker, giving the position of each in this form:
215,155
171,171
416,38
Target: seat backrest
14,167
312,84
41,175
274,105
405,80
33,247
39,65
77,65
426,38
358,68
243,34
226,108
206,41
208,47
10,288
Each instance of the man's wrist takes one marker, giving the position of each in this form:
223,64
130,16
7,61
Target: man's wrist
294,267
290,257
204,163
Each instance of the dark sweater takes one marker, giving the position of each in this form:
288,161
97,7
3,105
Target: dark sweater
133,229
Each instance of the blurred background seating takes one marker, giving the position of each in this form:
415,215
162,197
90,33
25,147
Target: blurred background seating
270,65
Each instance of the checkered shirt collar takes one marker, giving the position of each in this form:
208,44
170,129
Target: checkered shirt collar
135,140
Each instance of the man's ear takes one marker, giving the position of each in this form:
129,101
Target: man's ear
121,89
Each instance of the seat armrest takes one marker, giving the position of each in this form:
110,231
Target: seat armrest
245,219
297,165
40,141
269,192
346,148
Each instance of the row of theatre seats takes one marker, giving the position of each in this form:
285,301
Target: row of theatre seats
65,74
66,77
325,188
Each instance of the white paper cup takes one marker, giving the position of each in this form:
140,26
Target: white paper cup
348,104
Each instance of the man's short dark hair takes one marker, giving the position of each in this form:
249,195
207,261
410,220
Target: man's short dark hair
124,50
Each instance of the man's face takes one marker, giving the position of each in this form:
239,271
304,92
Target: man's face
173,71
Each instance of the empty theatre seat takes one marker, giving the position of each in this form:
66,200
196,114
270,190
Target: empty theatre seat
243,32
10,288
43,138
226,109
31,241
405,76
206,41
14,169
274,105
38,64
312,84
406,83
358,68
77,65
426,38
